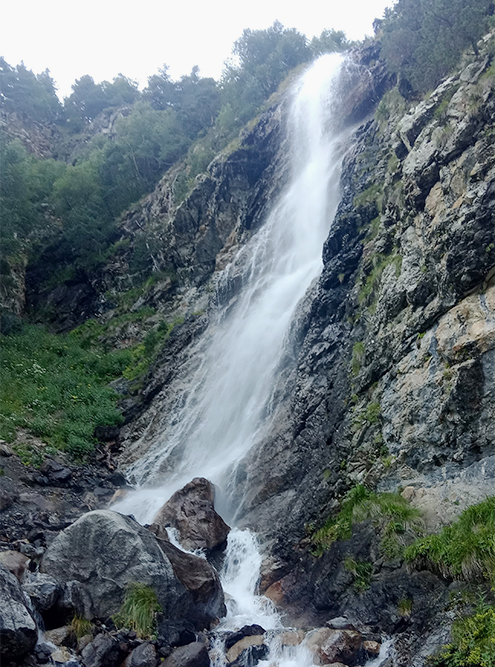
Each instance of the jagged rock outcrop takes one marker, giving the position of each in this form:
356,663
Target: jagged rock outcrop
191,511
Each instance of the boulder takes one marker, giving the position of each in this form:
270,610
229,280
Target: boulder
245,631
329,646
105,551
247,651
18,631
191,511
103,651
15,562
192,655
201,580
143,656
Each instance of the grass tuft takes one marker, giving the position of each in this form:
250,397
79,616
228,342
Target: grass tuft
392,517
139,611
463,550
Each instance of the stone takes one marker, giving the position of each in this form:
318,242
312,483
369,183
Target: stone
246,642
18,631
142,656
329,645
191,511
192,655
63,636
103,651
245,631
201,580
15,562
43,590
104,551
372,648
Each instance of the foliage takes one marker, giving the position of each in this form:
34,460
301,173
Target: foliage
139,610
463,550
473,640
422,41
57,390
358,353
362,571
391,515
29,95
80,627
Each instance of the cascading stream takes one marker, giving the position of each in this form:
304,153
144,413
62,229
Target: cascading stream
226,406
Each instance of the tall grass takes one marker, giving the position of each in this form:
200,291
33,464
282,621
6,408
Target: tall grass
463,550
139,610
392,516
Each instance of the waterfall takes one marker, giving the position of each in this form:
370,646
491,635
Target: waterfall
228,402
227,405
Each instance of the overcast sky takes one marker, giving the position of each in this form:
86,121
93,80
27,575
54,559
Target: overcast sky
136,37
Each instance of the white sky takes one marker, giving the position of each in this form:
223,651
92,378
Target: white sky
136,37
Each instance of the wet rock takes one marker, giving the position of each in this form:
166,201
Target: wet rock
103,651
142,656
43,653
15,562
201,580
192,655
248,650
329,646
191,511
18,631
245,631
372,648
104,551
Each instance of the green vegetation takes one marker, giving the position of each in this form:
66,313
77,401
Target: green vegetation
392,516
358,353
139,611
405,607
57,389
423,41
370,415
473,640
368,292
362,571
81,627
463,550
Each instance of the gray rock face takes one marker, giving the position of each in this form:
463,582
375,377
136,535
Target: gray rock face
18,631
191,511
104,551
142,656
43,590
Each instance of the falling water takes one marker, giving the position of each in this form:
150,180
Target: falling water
227,404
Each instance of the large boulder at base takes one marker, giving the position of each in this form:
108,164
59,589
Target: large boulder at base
105,551
18,631
192,655
191,511
143,655
201,580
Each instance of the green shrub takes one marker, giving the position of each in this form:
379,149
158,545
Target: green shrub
473,641
139,610
392,517
463,550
